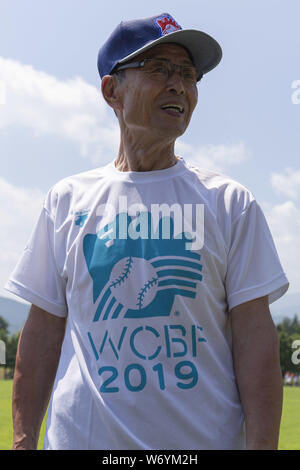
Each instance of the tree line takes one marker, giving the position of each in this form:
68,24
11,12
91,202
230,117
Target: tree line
288,332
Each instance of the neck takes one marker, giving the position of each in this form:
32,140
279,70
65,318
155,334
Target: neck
142,155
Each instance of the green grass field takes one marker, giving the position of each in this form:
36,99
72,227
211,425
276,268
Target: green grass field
289,433
6,429
289,438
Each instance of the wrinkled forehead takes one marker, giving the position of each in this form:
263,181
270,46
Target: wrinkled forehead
167,51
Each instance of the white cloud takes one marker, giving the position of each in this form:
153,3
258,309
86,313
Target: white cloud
287,183
2,93
75,110
284,223
72,109
19,209
213,157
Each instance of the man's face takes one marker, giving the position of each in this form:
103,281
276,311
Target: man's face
144,98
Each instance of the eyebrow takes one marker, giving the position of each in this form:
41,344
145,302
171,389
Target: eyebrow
185,61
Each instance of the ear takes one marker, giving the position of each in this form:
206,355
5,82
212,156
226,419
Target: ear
109,88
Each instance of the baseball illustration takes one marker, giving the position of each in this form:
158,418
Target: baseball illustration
134,282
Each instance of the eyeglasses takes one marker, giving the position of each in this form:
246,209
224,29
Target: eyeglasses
162,69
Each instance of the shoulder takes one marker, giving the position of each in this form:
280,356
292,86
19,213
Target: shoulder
221,191
79,180
72,188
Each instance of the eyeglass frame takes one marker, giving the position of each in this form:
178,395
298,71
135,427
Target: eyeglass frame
141,63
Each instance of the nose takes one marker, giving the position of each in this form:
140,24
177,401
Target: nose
175,82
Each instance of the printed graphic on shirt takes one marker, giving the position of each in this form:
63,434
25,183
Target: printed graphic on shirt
81,217
139,277
137,273
153,357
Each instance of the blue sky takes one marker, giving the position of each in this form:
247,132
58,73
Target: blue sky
53,121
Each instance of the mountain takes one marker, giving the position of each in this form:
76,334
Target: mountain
14,312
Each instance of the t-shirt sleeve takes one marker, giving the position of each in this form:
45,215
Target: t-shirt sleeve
254,269
36,277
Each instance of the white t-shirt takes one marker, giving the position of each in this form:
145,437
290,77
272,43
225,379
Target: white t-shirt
146,266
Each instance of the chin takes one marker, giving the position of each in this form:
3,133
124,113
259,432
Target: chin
172,130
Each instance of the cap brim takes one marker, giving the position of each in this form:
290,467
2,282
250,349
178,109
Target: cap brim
205,51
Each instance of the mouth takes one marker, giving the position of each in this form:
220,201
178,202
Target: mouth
176,109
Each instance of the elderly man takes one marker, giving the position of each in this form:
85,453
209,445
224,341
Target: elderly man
150,280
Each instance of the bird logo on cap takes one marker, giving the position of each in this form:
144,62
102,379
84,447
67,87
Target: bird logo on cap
166,24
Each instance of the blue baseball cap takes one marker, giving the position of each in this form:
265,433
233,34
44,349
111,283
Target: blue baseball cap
131,38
